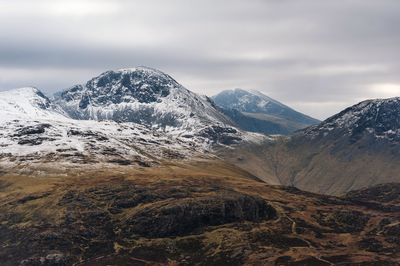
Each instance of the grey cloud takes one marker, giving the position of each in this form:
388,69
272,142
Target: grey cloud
303,52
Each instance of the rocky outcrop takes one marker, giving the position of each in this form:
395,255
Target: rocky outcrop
343,221
384,193
186,216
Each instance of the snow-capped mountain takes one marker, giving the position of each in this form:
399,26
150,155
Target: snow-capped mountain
130,116
141,95
379,118
254,111
357,148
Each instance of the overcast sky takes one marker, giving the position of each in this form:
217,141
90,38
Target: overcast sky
316,56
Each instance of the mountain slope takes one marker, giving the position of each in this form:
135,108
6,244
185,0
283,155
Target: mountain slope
254,111
27,103
357,148
34,130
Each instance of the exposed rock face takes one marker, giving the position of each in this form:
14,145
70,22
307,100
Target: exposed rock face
221,135
30,130
121,86
169,212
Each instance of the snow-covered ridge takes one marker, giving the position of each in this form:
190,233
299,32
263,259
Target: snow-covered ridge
27,102
253,101
131,116
247,100
253,111
379,117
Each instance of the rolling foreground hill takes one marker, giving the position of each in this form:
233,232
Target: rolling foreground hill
357,148
132,168
256,112
196,213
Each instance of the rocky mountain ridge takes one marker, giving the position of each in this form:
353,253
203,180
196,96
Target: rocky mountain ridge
379,118
141,95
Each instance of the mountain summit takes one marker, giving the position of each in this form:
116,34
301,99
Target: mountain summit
142,95
254,111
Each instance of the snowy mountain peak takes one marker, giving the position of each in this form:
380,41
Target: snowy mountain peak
30,94
253,101
143,69
380,118
256,97
142,95
140,84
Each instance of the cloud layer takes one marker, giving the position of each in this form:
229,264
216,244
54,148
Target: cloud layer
317,56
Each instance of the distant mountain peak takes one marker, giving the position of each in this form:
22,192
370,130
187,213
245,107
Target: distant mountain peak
257,112
252,101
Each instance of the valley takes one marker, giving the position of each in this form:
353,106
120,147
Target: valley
132,168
